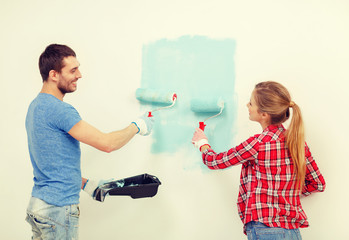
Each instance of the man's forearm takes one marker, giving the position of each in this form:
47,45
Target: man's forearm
120,138
106,142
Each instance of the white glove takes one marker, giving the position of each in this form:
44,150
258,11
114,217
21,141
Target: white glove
199,139
144,124
91,186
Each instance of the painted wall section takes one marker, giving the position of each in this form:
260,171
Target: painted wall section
193,67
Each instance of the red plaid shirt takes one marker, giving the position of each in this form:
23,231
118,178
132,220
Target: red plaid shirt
267,188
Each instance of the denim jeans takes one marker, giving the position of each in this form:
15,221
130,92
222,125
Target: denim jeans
52,222
260,231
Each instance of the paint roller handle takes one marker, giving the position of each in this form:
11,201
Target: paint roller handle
144,124
202,126
200,139
174,98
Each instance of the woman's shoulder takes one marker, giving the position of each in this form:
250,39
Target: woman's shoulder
272,133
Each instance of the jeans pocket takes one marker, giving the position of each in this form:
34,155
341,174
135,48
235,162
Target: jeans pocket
45,227
75,211
249,234
270,233
74,216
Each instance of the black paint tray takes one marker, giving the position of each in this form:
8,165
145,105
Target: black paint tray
140,186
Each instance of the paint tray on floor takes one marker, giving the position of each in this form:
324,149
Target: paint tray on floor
140,186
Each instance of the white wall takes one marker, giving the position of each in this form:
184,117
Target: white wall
302,44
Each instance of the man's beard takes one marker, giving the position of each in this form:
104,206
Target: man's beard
64,89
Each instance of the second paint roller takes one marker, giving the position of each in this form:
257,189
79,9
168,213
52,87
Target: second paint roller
207,106
156,96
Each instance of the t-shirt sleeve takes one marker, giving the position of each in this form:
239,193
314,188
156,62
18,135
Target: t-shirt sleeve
66,117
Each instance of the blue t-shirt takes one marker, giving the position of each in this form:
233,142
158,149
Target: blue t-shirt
55,155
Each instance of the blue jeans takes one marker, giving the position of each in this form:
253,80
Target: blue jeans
52,222
260,231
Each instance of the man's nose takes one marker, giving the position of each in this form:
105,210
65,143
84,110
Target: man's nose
78,74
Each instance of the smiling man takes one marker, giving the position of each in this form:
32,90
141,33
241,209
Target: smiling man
65,79
55,130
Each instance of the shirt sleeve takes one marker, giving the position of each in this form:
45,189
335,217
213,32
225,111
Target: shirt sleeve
65,117
248,150
314,181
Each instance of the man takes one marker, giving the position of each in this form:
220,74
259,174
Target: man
55,130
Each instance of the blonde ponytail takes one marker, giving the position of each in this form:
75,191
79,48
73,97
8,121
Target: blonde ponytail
274,99
296,144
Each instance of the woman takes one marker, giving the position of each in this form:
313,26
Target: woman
277,166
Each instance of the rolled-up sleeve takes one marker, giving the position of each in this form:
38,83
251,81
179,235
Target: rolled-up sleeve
314,181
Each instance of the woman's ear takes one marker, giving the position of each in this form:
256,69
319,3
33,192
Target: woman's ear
266,116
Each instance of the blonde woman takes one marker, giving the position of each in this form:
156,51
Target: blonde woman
277,166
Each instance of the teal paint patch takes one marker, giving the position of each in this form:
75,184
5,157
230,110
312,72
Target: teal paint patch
193,67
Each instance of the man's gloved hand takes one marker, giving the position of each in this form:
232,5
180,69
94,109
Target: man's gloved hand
199,139
91,186
144,124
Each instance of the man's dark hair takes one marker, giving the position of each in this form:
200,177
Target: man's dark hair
52,59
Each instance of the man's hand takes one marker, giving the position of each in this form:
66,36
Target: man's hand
91,186
144,124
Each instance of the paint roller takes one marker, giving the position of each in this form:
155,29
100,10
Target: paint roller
156,96
207,106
